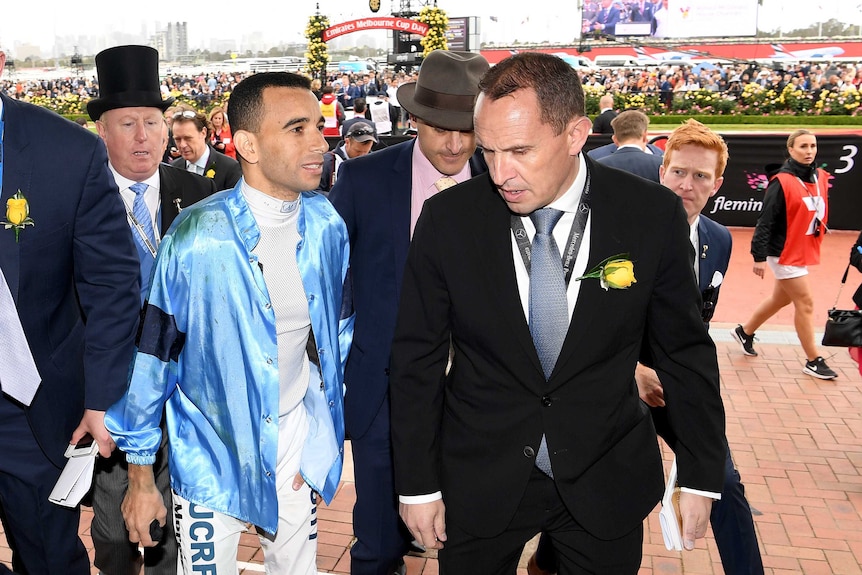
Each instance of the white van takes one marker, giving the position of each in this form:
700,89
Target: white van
616,61
579,63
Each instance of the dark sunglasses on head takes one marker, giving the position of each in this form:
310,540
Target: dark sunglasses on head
362,132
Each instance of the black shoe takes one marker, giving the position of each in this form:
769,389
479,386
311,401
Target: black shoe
745,341
818,368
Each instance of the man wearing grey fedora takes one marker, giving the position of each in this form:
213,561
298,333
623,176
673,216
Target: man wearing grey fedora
128,116
380,197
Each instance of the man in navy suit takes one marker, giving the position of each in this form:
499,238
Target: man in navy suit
630,136
73,277
380,197
693,168
607,18
128,116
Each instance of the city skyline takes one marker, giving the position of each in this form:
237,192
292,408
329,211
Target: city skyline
220,28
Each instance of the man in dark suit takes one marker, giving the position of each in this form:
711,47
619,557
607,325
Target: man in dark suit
380,196
538,425
128,116
602,123
693,169
73,278
630,136
190,133
608,149
606,20
642,11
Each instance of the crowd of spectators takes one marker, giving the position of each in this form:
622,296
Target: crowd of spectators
666,80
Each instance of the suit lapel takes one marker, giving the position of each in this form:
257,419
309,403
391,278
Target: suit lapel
494,236
16,176
705,265
169,193
605,223
400,192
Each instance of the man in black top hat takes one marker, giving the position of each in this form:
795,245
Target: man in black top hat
380,196
128,115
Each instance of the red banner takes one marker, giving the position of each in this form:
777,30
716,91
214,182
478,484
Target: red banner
382,23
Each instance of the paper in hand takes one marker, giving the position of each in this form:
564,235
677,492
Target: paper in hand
77,477
669,516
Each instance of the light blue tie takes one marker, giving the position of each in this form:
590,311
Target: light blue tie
141,212
549,315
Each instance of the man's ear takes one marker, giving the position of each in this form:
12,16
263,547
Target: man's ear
246,145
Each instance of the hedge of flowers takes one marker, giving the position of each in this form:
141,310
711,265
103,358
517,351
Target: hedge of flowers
754,100
438,23
316,52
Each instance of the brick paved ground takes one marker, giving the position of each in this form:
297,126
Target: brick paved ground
796,440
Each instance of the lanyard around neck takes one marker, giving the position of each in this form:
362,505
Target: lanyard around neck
573,244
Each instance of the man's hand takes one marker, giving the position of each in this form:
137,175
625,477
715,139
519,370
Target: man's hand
298,482
649,386
695,510
93,423
759,269
142,504
426,521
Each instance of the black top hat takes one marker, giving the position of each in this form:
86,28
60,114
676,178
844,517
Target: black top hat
446,91
128,78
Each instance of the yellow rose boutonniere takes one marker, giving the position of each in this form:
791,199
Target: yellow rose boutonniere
210,173
615,272
17,214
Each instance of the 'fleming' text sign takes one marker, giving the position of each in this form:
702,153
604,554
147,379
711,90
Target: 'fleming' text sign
383,23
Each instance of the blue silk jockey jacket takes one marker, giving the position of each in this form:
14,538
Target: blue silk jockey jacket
208,350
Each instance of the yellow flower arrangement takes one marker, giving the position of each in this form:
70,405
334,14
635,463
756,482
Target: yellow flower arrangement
317,53
438,24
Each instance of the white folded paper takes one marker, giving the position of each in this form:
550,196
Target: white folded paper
77,476
669,516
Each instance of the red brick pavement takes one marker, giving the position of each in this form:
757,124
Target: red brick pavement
796,440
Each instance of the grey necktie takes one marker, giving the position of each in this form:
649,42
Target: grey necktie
549,316
19,377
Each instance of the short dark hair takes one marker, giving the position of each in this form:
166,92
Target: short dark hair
359,105
557,85
245,107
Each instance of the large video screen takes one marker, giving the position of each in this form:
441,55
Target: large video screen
670,18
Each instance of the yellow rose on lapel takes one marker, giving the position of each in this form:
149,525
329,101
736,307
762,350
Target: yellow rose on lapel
615,272
619,274
17,210
210,173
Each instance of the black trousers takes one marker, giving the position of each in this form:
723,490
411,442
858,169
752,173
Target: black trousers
541,509
43,536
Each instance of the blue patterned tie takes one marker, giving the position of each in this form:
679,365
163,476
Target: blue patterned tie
549,315
141,212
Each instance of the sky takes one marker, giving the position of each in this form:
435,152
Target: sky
532,21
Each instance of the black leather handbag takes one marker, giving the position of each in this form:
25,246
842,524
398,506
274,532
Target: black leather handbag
843,326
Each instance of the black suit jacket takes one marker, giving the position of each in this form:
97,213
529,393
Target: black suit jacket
180,184
473,435
372,194
602,123
226,171
634,161
73,275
